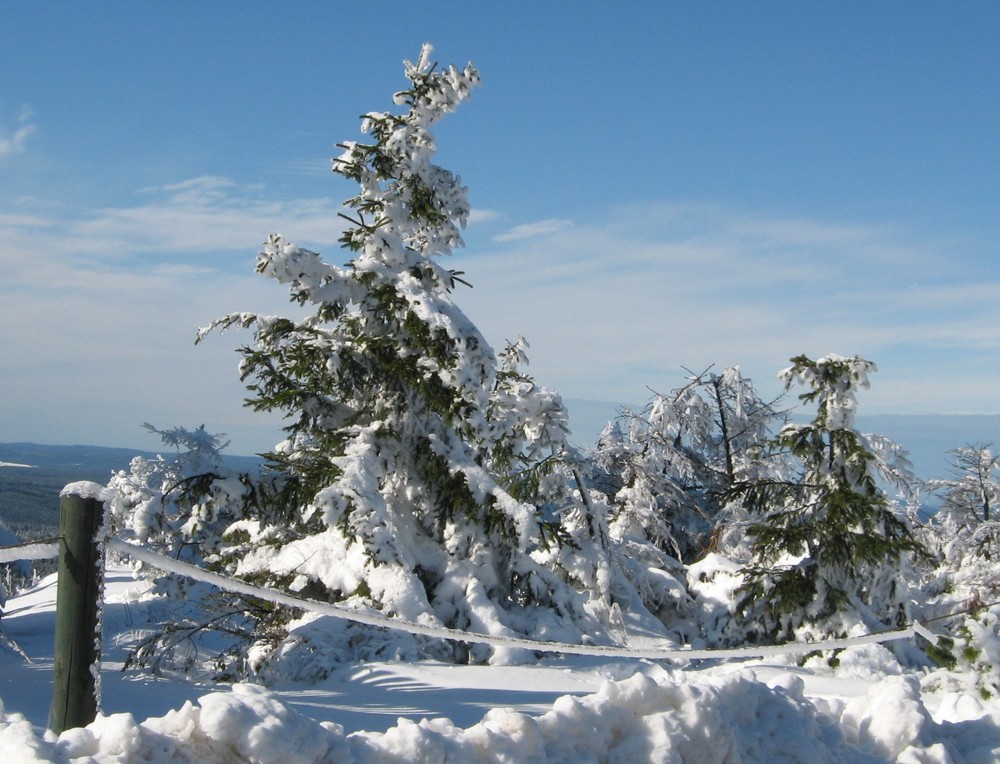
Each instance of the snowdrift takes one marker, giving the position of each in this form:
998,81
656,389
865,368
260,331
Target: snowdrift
732,718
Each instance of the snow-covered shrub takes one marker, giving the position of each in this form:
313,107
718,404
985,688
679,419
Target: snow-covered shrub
180,504
667,471
961,594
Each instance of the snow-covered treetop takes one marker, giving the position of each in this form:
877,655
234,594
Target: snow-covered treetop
408,209
404,197
833,380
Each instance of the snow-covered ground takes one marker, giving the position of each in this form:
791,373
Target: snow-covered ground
576,709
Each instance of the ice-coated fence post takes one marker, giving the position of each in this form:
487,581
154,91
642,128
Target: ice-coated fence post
77,651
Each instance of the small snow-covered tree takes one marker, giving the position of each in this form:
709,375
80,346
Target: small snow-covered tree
965,534
827,543
666,473
422,475
181,505
970,504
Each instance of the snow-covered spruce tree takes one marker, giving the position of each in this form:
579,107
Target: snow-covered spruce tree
422,476
828,549
668,472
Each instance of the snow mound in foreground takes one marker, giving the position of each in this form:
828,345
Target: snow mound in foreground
734,718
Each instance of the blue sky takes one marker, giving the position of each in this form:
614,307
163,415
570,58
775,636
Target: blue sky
656,186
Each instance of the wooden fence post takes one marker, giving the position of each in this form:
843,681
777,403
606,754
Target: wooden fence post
77,648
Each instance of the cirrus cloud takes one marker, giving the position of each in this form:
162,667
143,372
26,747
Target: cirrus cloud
531,230
14,140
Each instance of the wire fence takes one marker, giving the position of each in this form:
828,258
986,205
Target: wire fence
374,618
46,549
49,548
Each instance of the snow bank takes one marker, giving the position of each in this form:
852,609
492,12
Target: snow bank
735,718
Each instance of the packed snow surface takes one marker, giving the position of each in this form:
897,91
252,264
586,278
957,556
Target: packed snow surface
574,709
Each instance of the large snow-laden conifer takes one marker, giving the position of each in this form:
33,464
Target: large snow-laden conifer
421,475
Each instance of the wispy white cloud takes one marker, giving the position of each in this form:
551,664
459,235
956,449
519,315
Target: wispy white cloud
13,140
308,167
482,216
532,230
111,298
204,190
205,216
614,306
96,344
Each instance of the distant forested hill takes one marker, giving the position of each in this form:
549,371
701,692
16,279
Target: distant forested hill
29,495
